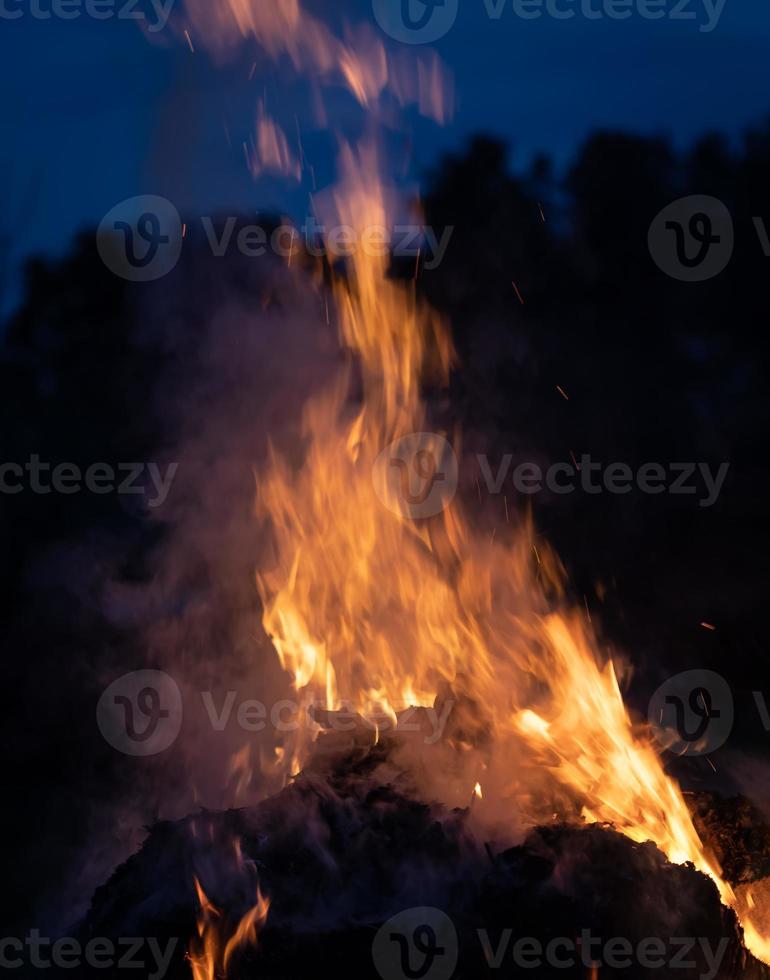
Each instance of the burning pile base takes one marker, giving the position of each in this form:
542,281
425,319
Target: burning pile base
339,855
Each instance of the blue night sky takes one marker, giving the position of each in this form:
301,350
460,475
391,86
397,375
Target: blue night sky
94,112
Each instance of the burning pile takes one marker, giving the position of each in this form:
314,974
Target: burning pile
348,855
375,603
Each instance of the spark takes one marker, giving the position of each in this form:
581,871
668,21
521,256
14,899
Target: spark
291,247
513,283
299,143
253,69
189,40
588,611
540,209
708,626
562,392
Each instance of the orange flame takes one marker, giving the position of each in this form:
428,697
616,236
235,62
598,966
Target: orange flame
212,951
370,607
271,153
239,773
360,62
367,606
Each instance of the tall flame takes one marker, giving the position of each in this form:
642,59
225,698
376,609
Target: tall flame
370,607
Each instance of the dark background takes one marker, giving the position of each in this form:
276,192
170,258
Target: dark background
656,370
99,111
